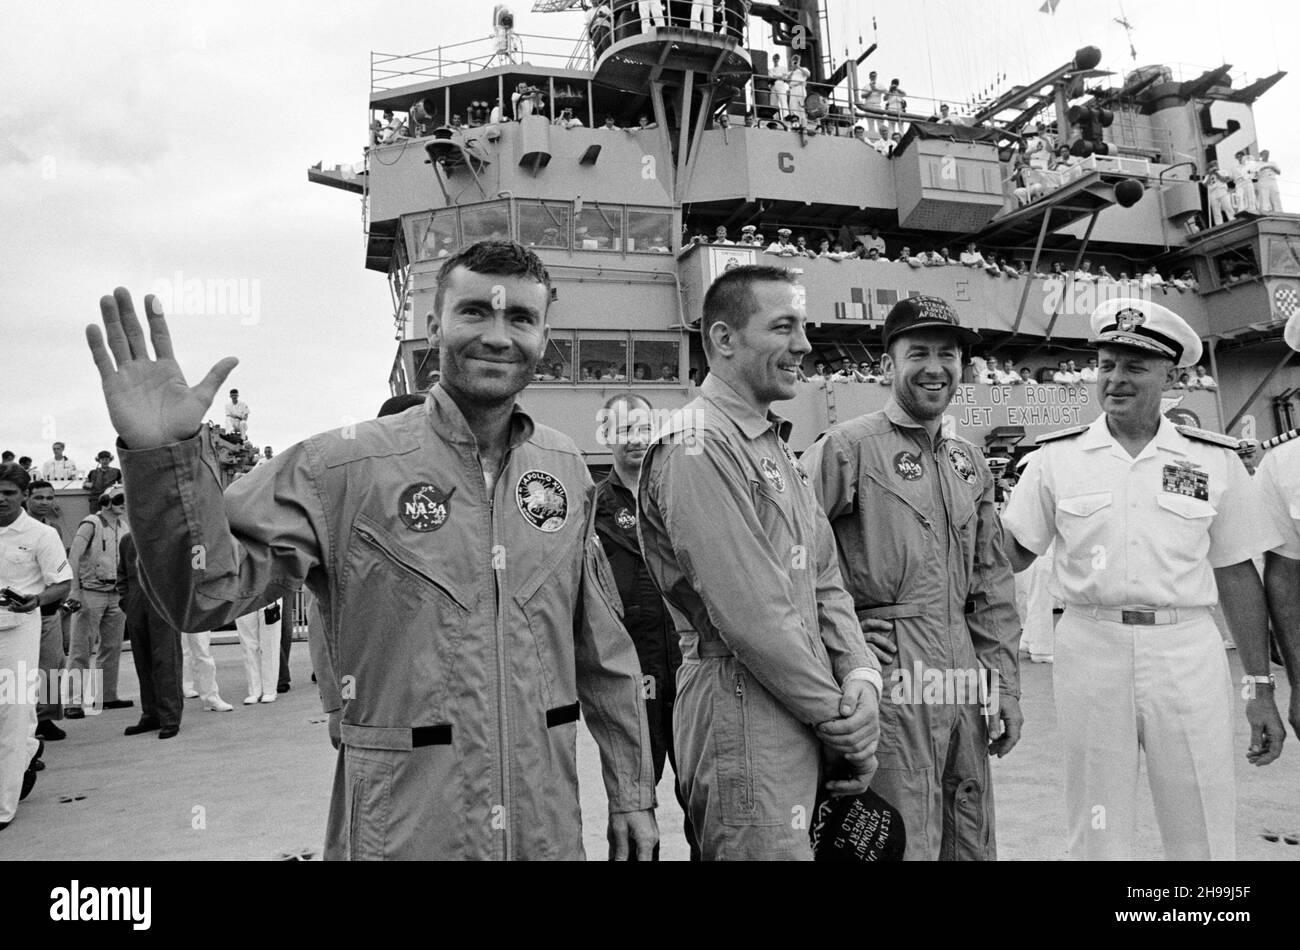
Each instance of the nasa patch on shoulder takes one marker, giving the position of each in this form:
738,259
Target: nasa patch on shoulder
542,500
962,464
772,474
424,507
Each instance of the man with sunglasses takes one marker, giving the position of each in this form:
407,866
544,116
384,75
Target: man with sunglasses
98,624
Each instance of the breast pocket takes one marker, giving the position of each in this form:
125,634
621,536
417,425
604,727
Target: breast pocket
776,519
1189,528
549,603
1083,520
400,631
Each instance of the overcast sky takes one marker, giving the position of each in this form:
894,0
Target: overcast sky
145,142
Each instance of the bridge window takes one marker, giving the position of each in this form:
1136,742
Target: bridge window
602,359
544,223
485,222
649,231
598,228
436,235
426,368
1283,256
556,365
656,360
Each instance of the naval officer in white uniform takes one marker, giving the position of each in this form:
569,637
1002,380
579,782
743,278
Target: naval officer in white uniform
1278,477
1153,523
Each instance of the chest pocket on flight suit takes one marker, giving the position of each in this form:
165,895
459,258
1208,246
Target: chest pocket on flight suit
777,522
419,616
898,524
549,593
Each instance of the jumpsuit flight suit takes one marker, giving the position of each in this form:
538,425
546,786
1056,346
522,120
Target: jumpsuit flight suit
645,615
155,644
464,627
733,538
920,545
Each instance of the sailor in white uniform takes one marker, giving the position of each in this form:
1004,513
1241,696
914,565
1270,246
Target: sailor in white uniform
1216,192
1152,524
1243,177
1266,192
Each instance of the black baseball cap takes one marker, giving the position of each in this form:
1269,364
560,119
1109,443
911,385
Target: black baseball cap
918,313
856,828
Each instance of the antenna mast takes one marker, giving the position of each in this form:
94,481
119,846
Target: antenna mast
1123,21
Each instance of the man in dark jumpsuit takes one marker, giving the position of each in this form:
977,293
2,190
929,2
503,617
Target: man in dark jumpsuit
627,429
155,649
922,554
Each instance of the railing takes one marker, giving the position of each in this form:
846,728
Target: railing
836,113
1185,72
390,71
628,23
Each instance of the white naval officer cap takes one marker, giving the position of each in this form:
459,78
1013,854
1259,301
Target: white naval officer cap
784,232
748,229
1143,325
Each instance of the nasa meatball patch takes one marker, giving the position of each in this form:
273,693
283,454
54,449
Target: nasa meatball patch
772,474
542,500
962,465
908,466
624,519
425,507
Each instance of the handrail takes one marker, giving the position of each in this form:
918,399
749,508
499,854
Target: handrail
392,70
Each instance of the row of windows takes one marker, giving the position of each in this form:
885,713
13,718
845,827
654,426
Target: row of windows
540,223
605,358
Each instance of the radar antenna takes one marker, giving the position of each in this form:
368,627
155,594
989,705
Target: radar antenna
1123,21
557,6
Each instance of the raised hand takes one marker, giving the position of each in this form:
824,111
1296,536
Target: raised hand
149,402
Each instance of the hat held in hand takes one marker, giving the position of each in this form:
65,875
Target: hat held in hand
858,828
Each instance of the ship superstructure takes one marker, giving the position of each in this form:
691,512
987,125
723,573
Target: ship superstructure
616,156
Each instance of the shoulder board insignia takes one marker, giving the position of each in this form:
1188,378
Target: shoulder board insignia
1062,434
1204,435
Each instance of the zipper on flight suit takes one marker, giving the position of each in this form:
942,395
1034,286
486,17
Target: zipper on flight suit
945,500
747,785
889,490
374,542
503,730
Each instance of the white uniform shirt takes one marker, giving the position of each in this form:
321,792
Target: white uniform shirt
237,415
1088,374
59,470
1278,479
1139,532
31,556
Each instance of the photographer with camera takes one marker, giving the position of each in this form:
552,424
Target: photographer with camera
99,621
